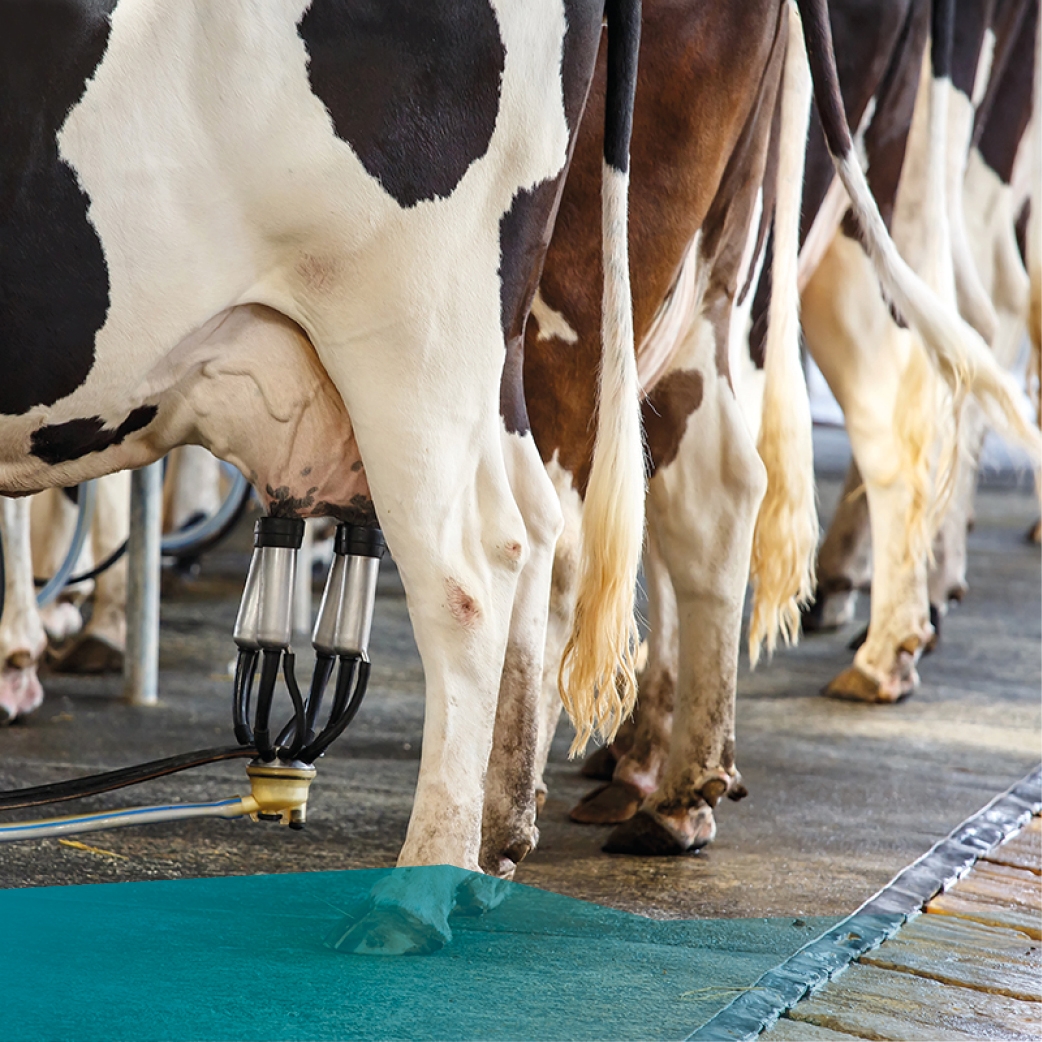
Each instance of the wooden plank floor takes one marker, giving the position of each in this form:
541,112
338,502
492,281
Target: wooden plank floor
970,968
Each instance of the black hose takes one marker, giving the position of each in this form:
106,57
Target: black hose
319,679
297,726
92,573
357,672
271,659
245,668
92,785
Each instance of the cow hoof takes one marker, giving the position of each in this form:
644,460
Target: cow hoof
387,930
480,894
608,805
600,764
1034,533
20,693
500,859
89,655
645,836
852,685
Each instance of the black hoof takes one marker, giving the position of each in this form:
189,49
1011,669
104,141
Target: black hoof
600,764
644,836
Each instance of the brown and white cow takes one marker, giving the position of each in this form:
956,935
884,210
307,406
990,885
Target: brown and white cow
707,100
695,229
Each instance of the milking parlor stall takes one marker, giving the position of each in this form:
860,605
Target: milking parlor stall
520,519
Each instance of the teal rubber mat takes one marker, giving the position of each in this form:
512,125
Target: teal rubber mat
243,958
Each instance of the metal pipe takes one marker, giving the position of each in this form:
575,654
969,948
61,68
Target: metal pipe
141,670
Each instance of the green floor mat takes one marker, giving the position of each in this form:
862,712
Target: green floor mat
243,958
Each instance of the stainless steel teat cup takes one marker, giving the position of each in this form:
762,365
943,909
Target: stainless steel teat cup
345,615
265,618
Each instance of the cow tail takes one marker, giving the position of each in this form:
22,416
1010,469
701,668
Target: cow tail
957,352
597,677
1034,246
785,540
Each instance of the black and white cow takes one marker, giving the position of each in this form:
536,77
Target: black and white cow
300,233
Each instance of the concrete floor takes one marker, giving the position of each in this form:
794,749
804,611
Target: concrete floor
842,795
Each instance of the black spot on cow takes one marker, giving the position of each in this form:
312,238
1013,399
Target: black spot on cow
413,88
54,291
579,56
61,442
525,229
1006,109
524,234
971,20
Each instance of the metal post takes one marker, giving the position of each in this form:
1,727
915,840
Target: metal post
302,588
141,670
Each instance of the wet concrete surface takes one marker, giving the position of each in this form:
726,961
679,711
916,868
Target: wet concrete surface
842,796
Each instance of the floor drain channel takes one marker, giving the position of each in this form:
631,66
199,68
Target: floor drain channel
879,918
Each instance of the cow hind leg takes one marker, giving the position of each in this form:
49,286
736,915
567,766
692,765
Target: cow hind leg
442,493
637,768
53,520
22,637
702,508
866,358
509,830
100,647
844,560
